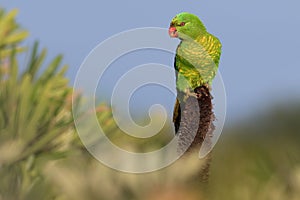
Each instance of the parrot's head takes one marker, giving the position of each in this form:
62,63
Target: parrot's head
186,25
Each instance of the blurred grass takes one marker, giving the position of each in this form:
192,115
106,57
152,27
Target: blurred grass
42,158
259,159
251,161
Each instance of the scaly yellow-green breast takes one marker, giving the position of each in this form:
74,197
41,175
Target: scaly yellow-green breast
197,61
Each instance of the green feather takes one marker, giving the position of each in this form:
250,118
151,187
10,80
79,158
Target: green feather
198,54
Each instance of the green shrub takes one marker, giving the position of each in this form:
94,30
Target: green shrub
36,122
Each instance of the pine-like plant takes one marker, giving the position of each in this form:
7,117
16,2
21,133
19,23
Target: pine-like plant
36,119
36,122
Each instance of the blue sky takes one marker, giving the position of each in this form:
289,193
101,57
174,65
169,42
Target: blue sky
261,46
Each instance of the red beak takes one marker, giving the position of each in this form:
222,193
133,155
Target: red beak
173,32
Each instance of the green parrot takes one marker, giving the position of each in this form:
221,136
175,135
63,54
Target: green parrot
197,58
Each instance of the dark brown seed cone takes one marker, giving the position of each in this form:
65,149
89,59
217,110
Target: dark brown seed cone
196,114
206,115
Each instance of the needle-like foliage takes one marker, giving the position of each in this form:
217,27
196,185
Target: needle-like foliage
36,122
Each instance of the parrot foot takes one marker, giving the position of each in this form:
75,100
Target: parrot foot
208,86
189,93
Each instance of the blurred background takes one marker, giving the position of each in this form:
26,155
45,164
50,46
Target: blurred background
257,156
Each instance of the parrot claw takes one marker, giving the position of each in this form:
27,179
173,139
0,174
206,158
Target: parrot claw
208,86
190,93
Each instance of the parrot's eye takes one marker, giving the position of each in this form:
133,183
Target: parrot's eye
182,23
